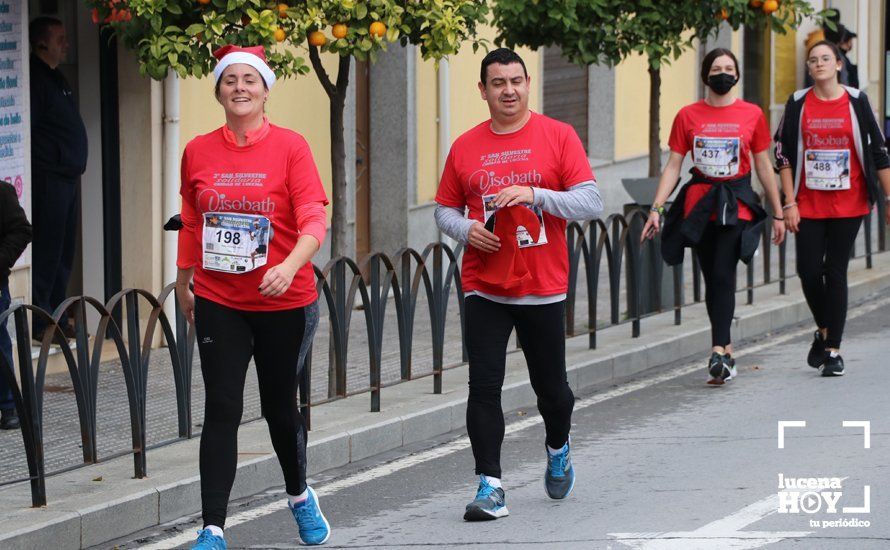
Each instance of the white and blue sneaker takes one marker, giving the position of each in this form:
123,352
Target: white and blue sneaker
559,479
314,528
489,503
208,541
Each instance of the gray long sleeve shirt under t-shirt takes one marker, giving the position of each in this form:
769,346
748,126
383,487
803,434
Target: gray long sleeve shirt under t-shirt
579,202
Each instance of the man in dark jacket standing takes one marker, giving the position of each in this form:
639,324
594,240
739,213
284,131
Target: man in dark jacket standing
15,234
58,158
850,72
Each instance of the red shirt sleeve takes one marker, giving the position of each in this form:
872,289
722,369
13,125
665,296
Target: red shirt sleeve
188,251
678,141
303,181
312,220
760,139
451,192
575,167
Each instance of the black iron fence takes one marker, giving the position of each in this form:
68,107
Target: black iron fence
401,281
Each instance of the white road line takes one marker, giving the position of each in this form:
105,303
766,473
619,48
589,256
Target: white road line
463,442
725,533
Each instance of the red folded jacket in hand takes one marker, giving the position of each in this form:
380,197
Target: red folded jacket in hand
506,268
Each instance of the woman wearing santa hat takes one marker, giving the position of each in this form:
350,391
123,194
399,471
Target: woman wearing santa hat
246,182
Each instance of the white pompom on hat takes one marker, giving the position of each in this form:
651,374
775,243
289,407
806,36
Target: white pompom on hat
255,56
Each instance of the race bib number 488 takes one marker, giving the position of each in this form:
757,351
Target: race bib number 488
716,157
235,243
827,170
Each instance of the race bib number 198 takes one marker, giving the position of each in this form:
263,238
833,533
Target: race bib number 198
716,157
827,170
235,243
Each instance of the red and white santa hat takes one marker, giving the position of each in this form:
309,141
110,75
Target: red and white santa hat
255,56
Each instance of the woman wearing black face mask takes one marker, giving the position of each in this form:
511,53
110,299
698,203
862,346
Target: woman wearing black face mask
717,212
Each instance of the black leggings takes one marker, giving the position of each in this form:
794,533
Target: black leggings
278,342
718,255
541,332
823,254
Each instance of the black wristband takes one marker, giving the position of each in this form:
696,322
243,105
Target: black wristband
778,219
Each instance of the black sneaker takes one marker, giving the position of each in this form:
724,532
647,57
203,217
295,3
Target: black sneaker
9,420
489,503
559,478
818,354
721,369
67,330
833,366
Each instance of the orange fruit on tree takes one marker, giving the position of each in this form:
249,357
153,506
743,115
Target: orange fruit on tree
770,6
377,29
339,30
279,34
317,39
282,10
203,2
755,3
724,14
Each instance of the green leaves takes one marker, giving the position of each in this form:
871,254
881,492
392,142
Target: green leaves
179,35
607,31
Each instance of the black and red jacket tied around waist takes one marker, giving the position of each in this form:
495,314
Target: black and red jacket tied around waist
721,199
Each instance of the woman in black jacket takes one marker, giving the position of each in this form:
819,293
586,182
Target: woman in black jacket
830,154
15,234
717,212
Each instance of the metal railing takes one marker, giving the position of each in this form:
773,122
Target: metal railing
344,288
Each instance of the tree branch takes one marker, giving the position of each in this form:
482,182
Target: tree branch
321,73
343,73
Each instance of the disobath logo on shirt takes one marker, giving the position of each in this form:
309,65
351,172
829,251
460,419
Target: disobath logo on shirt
486,182
211,200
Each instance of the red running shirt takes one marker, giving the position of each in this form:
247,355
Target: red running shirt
275,177
544,153
830,160
721,140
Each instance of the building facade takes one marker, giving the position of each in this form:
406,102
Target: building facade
403,117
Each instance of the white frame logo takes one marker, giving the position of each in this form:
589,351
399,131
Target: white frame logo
813,495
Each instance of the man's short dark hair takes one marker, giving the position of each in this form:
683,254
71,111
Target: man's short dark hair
38,30
501,56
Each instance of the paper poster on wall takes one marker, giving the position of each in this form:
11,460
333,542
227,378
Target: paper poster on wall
14,117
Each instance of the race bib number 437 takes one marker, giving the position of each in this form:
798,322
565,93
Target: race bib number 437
716,157
235,243
827,170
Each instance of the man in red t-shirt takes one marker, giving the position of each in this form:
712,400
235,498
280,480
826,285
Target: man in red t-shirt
516,160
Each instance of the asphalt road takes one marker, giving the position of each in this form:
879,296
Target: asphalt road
663,462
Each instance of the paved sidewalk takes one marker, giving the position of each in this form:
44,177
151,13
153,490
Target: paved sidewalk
91,505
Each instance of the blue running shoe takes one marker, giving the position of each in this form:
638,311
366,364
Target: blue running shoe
314,528
559,480
208,541
489,503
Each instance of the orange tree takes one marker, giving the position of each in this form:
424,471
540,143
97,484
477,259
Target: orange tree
179,36
607,31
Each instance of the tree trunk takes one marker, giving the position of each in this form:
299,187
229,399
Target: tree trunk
339,199
654,122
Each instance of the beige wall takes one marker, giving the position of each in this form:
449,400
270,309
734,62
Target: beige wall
786,62
141,189
427,130
679,83
466,106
